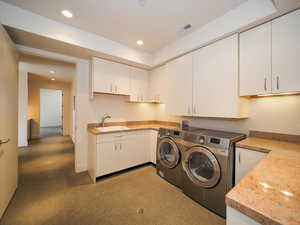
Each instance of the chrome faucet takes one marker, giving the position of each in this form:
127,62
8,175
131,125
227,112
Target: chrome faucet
104,117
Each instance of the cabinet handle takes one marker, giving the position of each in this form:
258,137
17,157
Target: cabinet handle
111,89
265,84
115,146
120,146
194,110
277,79
239,158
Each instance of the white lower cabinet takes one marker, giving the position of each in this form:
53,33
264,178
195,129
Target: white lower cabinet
153,145
107,158
245,160
109,153
234,217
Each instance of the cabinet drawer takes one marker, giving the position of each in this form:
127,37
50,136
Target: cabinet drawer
110,137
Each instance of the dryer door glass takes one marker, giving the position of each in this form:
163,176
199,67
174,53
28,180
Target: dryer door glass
168,153
202,167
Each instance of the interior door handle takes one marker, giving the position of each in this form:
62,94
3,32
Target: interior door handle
4,141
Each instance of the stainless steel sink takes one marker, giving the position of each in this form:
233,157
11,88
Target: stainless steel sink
112,128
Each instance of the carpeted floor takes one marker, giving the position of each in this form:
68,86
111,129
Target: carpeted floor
50,193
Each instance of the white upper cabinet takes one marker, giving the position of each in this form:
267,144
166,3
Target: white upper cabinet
139,84
216,80
286,53
255,61
179,75
157,84
110,77
269,57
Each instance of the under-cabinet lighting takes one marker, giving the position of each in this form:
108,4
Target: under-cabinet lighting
278,94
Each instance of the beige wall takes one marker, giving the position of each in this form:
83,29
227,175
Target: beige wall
34,85
280,114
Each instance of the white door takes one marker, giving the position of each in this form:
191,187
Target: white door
139,84
51,108
180,86
286,53
245,161
8,120
216,79
255,61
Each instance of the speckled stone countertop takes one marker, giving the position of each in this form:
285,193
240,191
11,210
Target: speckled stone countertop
134,125
270,193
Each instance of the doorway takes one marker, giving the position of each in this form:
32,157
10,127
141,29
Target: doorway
51,112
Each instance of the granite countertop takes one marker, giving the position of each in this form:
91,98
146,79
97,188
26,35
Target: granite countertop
270,193
136,126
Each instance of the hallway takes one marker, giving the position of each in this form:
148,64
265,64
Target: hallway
51,193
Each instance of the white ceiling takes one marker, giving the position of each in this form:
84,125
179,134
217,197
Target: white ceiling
158,22
40,66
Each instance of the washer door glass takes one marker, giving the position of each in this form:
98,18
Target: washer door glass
168,153
202,167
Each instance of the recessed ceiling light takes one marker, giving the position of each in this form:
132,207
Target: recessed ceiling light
52,71
52,78
67,13
140,42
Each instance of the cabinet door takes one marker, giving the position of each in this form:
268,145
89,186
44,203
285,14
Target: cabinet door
157,84
255,61
153,145
121,76
245,160
107,158
179,74
216,79
286,53
139,84
102,74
